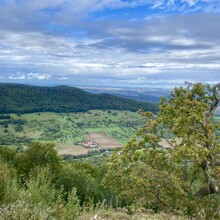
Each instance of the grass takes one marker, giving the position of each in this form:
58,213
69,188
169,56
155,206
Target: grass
70,149
123,215
68,128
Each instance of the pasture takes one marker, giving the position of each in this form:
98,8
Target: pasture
68,129
71,149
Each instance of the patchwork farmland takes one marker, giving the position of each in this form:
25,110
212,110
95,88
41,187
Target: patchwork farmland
108,129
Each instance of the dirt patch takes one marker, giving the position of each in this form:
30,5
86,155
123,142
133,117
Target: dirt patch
71,149
103,140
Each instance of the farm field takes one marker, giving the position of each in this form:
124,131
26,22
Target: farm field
68,129
71,149
103,140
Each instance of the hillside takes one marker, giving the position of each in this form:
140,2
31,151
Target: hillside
16,98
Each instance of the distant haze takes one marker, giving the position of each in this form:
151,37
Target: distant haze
140,94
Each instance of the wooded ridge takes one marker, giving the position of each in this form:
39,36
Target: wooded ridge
17,98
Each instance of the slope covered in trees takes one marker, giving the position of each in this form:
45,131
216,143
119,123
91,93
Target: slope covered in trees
17,98
37,184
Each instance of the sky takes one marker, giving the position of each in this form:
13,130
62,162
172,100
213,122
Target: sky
132,43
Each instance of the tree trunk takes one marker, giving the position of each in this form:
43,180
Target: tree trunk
212,187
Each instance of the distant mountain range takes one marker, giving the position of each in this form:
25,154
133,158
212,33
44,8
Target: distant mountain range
139,94
17,98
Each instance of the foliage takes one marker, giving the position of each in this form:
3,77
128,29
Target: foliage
145,177
39,199
85,177
26,99
24,210
185,177
37,154
79,178
7,154
53,195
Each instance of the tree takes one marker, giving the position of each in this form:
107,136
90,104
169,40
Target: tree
37,154
7,154
85,177
189,115
183,175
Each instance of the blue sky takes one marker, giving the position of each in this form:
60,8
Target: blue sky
109,42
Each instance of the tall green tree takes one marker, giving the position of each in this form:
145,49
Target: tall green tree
186,175
189,115
37,155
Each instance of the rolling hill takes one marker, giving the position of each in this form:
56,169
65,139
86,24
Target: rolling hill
17,98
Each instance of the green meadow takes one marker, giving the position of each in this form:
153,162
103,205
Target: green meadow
68,128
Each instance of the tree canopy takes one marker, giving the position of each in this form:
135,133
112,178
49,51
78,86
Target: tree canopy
17,98
184,177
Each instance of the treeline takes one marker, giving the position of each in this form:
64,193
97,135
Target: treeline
3,117
16,98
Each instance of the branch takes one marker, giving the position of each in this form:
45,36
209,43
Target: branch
216,100
170,143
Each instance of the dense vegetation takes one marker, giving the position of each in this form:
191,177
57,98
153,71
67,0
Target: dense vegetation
185,177
182,180
37,184
17,98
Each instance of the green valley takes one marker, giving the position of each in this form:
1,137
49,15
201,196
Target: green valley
67,128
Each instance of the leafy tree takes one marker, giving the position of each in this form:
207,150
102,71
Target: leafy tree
37,154
8,184
189,116
4,172
81,176
7,154
184,177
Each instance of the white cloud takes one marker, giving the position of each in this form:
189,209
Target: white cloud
17,77
30,76
106,48
76,6
191,2
40,76
71,8
61,56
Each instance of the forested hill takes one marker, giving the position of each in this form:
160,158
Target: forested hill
16,98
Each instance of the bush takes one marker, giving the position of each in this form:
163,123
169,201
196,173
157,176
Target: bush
24,210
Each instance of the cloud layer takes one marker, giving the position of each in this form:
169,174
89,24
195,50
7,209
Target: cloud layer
109,41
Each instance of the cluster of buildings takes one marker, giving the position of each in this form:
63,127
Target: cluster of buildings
89,144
